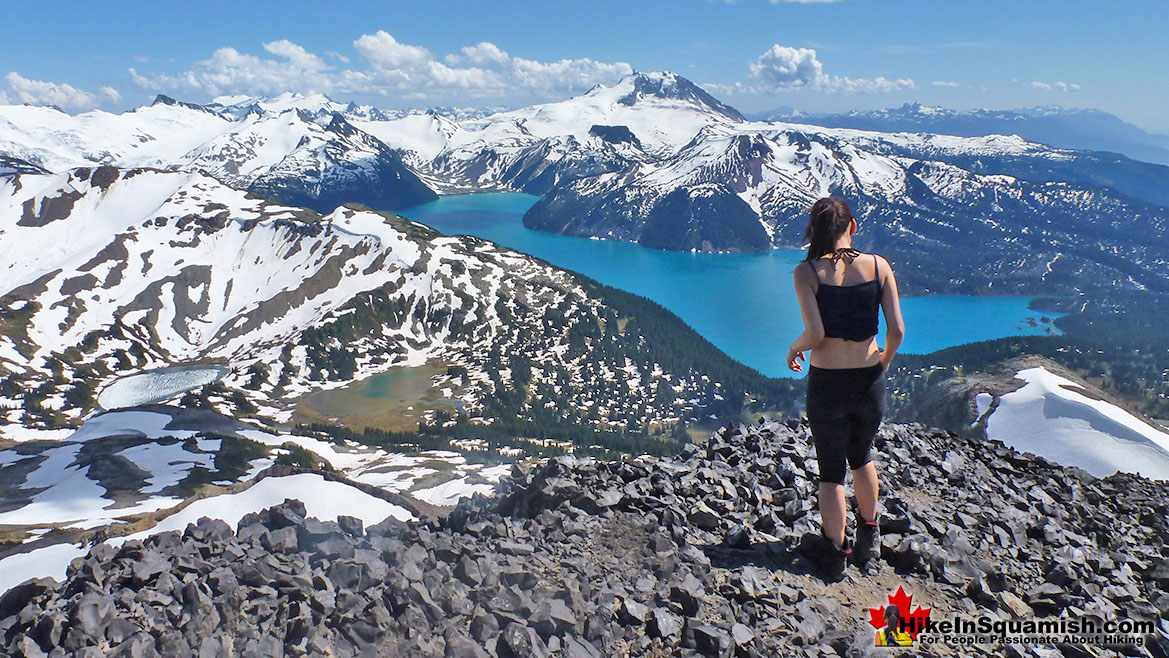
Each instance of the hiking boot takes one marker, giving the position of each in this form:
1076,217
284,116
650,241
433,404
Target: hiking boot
868,544
825,554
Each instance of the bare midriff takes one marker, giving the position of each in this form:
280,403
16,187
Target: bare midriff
835,353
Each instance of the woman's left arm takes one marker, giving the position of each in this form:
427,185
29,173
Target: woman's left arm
813,333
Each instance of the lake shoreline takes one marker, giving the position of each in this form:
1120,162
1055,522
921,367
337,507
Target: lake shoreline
752,290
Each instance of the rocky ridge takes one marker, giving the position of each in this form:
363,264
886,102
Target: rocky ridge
687,556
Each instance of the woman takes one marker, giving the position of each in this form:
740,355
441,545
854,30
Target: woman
840,290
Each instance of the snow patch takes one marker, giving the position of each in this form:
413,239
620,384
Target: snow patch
1050,418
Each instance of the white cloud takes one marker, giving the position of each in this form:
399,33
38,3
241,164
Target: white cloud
296,55
385,52
864,85
787,68
230,71
392,67
1059,85
64,96
564,75
945,83
483,53
783,68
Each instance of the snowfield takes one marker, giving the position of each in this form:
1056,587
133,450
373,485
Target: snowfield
148,387
149,424
45,562
449,493
1050,417
323,499
67,496
130,272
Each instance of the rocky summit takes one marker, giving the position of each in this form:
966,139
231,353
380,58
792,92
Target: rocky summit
686,556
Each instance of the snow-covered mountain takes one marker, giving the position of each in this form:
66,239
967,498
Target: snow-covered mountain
537,148
309,157
1062,127
108,271
654,160
657,160
757,181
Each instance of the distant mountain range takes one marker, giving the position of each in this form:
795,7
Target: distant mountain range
281,154
1061,127
657,160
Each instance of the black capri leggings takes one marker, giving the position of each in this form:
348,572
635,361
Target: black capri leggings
844,409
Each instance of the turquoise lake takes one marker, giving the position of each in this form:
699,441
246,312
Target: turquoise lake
743,303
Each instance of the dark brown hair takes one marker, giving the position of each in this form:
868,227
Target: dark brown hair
827,221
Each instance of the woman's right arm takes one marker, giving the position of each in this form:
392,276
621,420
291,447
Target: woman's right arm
894,323
813,333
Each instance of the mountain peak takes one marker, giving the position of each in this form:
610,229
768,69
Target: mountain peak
163,99
670,86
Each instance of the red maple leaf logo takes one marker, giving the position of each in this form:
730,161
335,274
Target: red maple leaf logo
913,622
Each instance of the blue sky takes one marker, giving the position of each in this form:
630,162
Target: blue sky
754,54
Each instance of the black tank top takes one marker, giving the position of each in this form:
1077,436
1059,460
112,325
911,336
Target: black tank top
850,311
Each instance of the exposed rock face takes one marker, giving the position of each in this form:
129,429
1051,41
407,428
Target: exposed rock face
688,556
707,217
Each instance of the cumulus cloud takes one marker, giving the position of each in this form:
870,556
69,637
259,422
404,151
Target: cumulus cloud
782,68
945,83
64,96
228,70
296,55
788,68
390,66
564,75
385,52
1058,85
483,53
720,89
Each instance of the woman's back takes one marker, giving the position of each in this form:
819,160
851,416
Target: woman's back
849,310
849,292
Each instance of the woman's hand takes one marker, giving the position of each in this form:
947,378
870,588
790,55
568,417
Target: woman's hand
793,360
